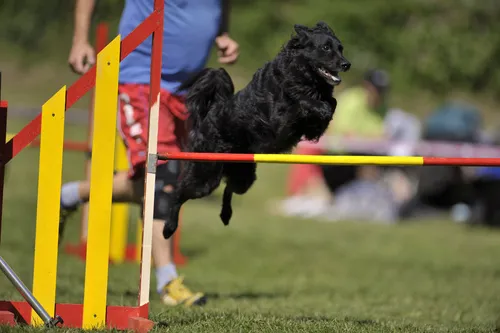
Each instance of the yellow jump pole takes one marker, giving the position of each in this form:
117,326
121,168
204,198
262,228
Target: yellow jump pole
294,159
101,186
47,208
138,241
119,211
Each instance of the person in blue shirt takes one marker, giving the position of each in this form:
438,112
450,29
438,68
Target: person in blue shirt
191,27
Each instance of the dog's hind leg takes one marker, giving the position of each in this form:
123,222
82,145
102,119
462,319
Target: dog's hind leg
226,211
197,180
240,177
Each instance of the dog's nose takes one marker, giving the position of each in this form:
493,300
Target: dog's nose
345,66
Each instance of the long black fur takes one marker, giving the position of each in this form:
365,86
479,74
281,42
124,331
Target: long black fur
286,100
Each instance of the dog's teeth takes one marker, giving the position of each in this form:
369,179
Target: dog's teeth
330,78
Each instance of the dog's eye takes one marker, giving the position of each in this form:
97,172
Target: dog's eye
326,48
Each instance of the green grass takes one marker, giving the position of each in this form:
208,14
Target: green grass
269,274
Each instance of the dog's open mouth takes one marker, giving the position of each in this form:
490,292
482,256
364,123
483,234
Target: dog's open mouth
332,78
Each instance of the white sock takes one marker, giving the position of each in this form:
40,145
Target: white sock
69,195
164,275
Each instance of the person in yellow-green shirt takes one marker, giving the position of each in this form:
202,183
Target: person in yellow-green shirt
361,110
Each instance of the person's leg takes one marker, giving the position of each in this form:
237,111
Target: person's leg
124,190
129,187
306,192
128,190
133,126
368,172
336,176
301,177
133,123
171,137
75,193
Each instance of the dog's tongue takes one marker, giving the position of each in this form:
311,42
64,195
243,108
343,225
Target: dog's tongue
336,79
331,78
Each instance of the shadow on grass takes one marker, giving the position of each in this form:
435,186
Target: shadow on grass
361,323
162,324
319,319
193,252
132,294
246,296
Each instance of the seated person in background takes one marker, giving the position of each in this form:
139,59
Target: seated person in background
361,112
361,109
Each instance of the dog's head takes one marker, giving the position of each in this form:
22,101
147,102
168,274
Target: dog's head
322,50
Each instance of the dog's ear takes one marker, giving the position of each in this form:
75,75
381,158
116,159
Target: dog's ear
300,29
325,27
302,37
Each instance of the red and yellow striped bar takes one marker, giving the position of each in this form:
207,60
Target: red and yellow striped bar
330,159
47,208
293,159
101,186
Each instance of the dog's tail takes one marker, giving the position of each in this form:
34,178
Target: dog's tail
208,89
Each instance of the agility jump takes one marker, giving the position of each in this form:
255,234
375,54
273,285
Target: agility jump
49,124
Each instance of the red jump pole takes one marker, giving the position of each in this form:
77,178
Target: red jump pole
67,145
3,139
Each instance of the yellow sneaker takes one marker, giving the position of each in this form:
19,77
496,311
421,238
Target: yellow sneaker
176,293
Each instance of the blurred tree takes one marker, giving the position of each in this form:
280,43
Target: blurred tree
435,45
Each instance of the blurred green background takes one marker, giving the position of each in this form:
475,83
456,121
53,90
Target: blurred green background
433,49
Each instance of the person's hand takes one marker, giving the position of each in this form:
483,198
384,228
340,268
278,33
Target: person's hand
81,57
228,49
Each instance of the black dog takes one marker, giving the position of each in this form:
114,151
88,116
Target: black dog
288,98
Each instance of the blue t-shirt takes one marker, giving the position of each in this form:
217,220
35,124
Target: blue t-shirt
190,28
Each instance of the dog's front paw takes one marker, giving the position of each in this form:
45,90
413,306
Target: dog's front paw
169,229
225,215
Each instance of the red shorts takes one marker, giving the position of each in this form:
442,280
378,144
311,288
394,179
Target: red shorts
133,105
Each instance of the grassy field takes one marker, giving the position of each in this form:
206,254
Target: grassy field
268,274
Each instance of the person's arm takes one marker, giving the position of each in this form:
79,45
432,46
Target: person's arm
82,55
228,48
224,23
83,15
